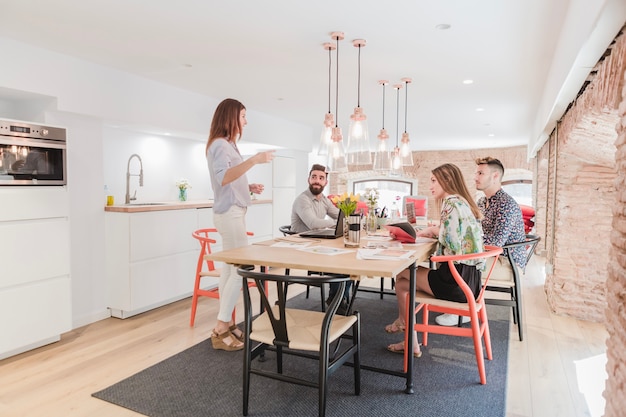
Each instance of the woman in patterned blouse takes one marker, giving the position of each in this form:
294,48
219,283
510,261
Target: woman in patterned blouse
459,233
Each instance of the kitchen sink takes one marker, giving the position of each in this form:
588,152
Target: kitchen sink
146,204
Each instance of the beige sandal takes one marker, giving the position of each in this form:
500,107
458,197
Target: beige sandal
219,341
232,329
399,348
396,327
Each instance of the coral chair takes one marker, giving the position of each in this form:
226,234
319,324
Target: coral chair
474,309
205,268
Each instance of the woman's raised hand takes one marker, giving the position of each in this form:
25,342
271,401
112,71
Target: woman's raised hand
264,157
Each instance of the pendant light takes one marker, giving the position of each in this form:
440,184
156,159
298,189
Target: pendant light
359,152
329,120
382,157
336,154
406,155
396,160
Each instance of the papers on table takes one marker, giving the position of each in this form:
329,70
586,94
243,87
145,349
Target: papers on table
325,250
386,254
287,244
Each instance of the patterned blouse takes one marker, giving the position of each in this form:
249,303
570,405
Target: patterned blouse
503,224
460,233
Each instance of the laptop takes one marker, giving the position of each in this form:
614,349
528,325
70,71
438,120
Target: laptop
327,233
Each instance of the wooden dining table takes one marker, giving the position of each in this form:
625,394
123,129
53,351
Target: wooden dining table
275,253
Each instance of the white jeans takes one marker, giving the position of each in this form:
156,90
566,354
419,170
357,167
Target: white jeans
231,226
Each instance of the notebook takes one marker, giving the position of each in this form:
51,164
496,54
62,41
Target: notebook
402,232
327,233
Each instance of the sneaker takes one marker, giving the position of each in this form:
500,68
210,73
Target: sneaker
450,319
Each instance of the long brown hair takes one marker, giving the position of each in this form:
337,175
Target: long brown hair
225,123
451,180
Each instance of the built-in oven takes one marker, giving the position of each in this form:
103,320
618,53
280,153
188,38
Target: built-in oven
32,154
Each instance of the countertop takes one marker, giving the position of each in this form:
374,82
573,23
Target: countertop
167,205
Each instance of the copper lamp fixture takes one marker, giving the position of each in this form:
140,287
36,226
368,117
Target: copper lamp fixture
406,155
336,154
329,121
382,157
359,152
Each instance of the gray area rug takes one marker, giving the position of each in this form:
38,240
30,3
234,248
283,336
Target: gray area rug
203,382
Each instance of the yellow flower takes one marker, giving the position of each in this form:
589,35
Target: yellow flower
346,202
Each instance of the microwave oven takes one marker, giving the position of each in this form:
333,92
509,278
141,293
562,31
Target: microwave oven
32,154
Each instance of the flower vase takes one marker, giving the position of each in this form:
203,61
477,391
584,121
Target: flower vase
371,221
182,194
352,231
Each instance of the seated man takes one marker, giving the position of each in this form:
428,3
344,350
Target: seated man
309,211
502,223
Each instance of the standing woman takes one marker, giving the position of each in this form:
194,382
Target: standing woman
231,199
459,233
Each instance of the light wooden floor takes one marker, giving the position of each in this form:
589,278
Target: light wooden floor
57,380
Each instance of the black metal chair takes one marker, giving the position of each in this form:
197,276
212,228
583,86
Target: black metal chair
513,286
304,333
286,231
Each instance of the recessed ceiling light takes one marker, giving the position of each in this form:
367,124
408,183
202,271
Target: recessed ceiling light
443,26
479,109
468,81
491,135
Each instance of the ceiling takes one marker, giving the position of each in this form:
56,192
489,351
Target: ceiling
269,55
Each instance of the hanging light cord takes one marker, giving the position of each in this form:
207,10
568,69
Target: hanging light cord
358,96
397,115
329,75
337,87
406,100
383,105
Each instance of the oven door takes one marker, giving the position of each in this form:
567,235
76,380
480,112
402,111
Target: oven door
26,161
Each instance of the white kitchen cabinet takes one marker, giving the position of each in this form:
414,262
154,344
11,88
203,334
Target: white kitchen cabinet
35,286
151,256
150,259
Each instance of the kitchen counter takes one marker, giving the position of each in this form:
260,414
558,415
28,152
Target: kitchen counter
167,205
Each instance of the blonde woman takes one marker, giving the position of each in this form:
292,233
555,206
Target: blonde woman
459,233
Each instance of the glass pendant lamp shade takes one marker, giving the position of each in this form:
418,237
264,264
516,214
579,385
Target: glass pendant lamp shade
382,157
329,120
336,154
358,139
406,154
359,152
396,160
327,131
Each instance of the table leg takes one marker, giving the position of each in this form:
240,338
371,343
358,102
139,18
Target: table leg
409,328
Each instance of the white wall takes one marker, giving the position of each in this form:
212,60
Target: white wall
88,99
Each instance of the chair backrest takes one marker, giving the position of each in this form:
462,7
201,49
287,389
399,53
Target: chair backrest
276,311
420,205
490,251
529,245
205,247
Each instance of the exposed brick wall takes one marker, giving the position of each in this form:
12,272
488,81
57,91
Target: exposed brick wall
615,389
575,179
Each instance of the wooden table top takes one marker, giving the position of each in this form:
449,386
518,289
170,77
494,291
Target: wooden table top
262,253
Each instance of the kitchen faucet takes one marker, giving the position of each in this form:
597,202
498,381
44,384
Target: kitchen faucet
128,174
